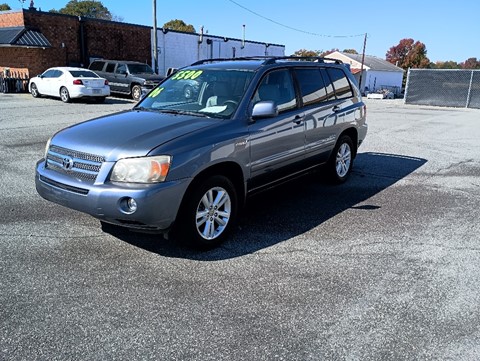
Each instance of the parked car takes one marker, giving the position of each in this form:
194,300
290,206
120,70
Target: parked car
127,77
184,167
68,83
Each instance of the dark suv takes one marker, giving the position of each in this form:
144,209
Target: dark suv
127,77
186,162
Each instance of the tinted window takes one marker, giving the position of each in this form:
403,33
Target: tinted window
340,83
328,85
140,69
277,86
110,67
57,74
97,65
312,86
49,73
121,69
83,74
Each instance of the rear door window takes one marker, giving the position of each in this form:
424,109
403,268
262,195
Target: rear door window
97,66
110,67
340,82
312,86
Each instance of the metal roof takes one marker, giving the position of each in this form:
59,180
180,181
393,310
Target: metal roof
23,37
373,62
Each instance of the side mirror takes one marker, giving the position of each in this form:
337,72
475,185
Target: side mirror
265,109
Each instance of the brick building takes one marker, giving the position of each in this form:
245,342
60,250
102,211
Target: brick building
32,41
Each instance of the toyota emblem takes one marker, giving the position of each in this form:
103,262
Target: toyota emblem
67,163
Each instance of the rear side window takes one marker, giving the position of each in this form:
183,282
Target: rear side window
340,82
110,67
312,86
97,65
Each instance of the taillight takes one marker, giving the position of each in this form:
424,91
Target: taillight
77,82
106,82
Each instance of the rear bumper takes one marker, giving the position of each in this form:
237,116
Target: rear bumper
81,92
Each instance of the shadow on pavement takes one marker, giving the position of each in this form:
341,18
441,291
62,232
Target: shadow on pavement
289,210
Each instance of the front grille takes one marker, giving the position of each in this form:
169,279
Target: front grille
80,165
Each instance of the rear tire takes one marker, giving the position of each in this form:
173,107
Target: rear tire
64,95
208,214
341,161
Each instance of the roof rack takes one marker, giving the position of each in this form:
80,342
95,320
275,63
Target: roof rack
272,59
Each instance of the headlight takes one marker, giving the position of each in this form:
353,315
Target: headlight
149,82
141,170
47,147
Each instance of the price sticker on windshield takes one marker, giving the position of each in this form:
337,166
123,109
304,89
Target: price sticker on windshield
154,93
187,74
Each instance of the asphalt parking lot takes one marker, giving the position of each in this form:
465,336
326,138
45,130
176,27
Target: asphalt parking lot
384,267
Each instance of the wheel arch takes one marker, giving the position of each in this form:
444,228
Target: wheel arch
228,169
353,134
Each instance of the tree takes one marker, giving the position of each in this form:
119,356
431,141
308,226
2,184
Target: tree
179,25
304,52
86,8
471,63
350,51
408,54
445,65
328,52
5,7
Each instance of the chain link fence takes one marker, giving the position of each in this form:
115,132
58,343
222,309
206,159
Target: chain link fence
448,88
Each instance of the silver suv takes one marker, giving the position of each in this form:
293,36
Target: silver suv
185,162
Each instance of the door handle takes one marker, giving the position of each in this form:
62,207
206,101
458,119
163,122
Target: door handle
298,118
336,109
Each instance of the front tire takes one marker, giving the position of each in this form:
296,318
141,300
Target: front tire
209,213
34,91
136,93
341,161
64,95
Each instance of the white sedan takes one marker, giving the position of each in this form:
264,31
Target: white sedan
67,83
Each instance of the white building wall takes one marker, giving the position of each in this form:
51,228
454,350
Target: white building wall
176,49
376,80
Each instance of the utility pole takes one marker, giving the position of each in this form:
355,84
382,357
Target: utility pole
155,50
363,60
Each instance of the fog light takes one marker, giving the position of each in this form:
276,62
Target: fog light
128,205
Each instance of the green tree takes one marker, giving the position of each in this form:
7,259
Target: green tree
304,52
87,8
350,51
179,25
445,65
408,54
5,7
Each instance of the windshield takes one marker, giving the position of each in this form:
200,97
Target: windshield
204,92
140,69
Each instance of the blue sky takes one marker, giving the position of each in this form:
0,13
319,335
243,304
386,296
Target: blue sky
449,29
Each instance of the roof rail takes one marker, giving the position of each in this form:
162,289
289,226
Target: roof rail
272,59
318,59
203,61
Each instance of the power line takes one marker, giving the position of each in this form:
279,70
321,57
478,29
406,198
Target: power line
292,28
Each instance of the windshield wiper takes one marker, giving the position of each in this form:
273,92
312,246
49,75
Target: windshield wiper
183,112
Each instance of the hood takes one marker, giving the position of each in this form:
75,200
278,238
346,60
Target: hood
147,76
132,133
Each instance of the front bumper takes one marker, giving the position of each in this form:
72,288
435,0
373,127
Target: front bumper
157,204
